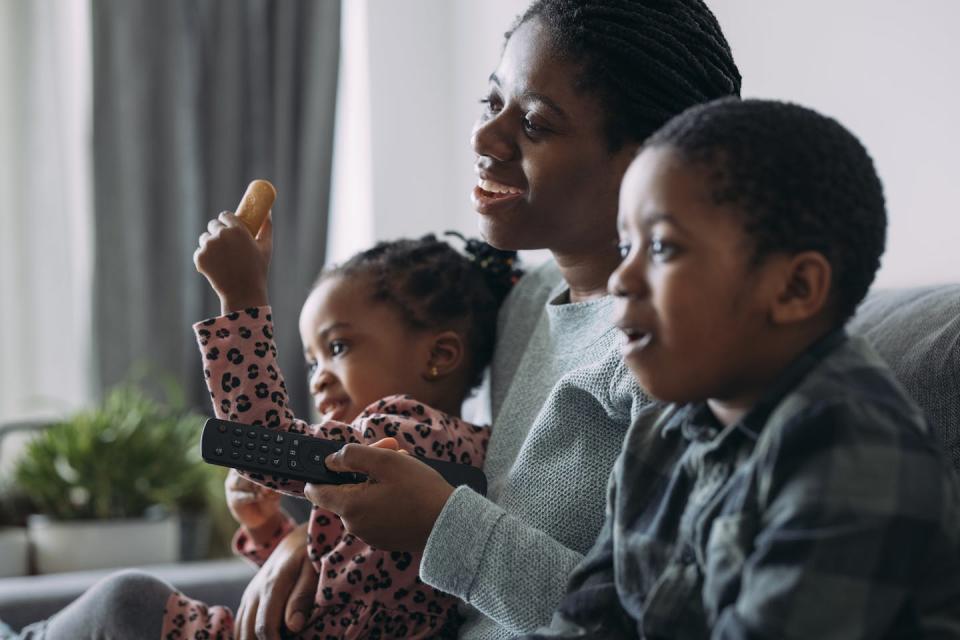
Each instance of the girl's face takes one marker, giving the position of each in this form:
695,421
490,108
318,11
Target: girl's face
547,179
359,351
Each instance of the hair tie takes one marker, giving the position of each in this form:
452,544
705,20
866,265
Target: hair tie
499,267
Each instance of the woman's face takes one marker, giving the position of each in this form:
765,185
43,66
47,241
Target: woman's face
547,178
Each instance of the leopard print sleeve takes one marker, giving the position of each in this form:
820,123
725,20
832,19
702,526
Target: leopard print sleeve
422,430
244,545
245,383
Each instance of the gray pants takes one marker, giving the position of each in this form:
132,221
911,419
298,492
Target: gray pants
123,606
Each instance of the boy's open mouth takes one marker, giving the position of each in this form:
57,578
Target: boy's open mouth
637,339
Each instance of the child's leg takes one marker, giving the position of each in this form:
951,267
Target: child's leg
129,604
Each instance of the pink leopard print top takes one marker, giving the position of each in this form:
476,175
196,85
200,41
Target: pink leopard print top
361,588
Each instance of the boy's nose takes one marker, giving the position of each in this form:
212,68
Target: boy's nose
628,280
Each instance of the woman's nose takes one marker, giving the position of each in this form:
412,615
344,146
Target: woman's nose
491,139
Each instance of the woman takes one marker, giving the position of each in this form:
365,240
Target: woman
580,85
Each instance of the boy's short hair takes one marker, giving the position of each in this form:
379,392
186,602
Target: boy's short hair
802,181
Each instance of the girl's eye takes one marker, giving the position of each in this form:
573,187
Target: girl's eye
623,248
311,368
337,348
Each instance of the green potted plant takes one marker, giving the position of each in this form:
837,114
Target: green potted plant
13,534
109,485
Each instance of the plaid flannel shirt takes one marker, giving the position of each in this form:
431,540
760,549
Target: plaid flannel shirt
827,512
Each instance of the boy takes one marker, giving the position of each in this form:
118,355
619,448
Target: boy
791,488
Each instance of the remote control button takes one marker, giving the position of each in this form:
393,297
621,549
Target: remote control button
265,437
295,442
278,437
275,462
222,428
317,458
292,464
262,460
251,446
252,435
278,451
236,442
237,431
218,451
264,448
234,454
248,457
292,453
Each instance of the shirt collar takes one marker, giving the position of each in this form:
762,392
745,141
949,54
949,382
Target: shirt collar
697,422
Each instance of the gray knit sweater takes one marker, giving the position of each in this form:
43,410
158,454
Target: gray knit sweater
562,401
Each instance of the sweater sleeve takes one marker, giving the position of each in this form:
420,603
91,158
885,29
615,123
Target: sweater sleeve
508,570
512,572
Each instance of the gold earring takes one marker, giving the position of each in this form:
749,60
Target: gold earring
434,372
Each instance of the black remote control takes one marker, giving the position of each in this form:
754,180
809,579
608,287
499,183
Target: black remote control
300,457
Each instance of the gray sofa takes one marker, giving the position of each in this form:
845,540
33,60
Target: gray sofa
917,331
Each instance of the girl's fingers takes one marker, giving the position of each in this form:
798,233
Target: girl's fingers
243,497
215,225
203,238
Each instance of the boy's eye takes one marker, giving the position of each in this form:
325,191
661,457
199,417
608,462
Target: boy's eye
661,250
337,347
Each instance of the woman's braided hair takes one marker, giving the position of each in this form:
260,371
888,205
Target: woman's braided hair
434,286
646,60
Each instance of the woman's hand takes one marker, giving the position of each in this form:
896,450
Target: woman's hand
281,593
252,505
396,508
234,262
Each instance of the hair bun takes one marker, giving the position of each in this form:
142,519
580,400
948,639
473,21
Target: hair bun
499,267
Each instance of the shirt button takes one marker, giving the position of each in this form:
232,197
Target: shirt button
688,556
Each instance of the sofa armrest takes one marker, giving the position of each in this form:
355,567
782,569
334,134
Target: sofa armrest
31,598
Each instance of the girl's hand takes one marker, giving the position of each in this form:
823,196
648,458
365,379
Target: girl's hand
234,262
396,508
281,593
255,507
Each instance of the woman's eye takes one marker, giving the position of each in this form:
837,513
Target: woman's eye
532,127
491,105
337,348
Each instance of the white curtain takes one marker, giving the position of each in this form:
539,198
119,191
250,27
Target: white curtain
45,195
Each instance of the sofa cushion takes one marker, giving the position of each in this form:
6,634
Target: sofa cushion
917,331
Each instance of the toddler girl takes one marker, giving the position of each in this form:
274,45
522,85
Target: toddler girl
394,339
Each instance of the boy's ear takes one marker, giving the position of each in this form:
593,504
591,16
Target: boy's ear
447,353
805,288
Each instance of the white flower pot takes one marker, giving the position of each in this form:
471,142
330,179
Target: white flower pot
14,552
77,545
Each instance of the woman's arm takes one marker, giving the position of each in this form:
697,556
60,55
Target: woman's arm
475,550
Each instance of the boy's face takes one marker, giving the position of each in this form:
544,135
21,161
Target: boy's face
357,350
693,308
